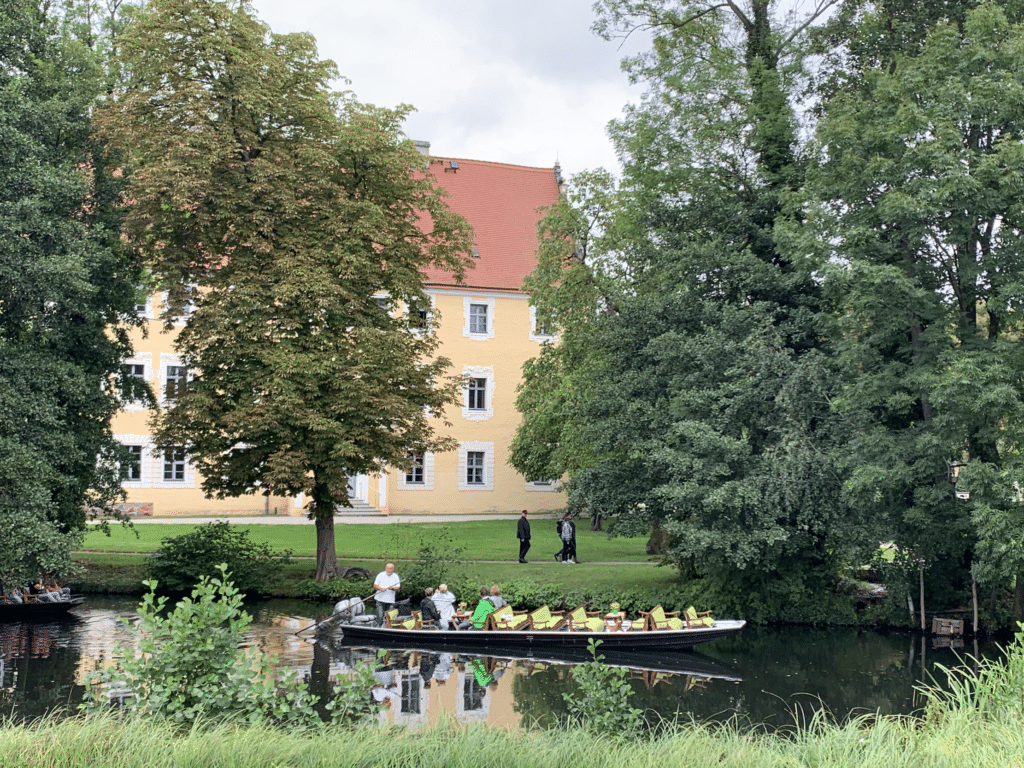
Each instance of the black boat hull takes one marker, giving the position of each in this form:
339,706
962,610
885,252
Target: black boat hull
481,641
33,610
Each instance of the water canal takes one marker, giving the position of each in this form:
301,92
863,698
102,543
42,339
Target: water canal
766,676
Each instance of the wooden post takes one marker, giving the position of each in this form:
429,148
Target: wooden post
920,571
974,600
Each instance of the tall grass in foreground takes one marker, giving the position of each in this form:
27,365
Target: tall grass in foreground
958,738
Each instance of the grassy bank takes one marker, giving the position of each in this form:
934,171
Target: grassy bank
949,739
123,574
479,540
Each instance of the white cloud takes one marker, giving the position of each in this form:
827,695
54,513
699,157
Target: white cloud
523,82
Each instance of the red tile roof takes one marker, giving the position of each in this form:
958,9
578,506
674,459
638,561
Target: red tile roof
502,204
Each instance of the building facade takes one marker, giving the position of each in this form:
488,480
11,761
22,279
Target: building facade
487,329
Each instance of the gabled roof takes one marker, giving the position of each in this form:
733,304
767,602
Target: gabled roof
502,203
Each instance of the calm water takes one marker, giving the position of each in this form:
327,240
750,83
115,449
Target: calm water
766,676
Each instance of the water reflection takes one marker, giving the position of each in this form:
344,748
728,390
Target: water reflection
762,676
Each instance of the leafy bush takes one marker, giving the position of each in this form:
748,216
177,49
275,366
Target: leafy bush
182,561
437,562
190,668
334,589
602,702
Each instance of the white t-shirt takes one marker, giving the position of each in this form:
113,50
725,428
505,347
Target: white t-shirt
385,579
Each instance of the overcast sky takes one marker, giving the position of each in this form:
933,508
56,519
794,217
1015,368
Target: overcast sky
521,81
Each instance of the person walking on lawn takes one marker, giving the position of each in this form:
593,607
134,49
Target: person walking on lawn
523,534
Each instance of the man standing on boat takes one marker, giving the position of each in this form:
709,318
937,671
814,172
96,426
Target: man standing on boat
386,585
523,534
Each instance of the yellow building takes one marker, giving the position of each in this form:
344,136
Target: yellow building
486,328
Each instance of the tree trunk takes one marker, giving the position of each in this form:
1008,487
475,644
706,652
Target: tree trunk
321,509
326,556
595,521
656,544
920,572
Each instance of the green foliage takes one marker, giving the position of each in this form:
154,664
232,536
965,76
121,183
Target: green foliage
994,690
601,703
437,561
334,589
188,667
183,560
279,210
66,293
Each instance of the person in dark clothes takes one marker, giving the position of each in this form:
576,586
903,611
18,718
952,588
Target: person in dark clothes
523,534
428,610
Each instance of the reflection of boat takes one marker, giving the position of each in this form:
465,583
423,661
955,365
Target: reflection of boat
483,641
682,663
39,610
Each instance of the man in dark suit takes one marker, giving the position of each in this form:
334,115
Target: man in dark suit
523,534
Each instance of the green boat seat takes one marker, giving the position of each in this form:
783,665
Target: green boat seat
545,618
659,618
581,620
695,619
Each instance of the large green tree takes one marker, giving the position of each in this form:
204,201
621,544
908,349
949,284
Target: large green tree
703,393
918,209
67,292
293,227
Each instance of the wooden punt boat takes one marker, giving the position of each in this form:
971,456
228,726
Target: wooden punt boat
481,640
39,610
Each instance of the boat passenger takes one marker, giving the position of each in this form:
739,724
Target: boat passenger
495,597
445,602
428,610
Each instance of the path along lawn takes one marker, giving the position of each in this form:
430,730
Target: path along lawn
479,540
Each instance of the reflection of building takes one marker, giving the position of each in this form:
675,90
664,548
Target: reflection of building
487,329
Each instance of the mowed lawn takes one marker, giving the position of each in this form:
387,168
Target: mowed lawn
479,540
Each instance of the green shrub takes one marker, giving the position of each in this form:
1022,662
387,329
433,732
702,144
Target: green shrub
601,702
438,561
182,561
334,589
189,668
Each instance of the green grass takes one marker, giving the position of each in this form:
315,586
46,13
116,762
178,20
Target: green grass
479,539
123,573
954,740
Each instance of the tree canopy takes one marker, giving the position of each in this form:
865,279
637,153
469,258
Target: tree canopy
67,293
292,226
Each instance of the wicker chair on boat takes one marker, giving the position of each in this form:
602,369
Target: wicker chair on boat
695,619
506,619
658,618
581,620
393,621
638,625
545,618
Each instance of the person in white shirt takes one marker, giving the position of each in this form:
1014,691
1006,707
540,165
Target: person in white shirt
386,585
445,602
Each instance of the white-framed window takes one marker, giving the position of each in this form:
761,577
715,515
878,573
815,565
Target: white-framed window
478,315
540,334
477,394
152,468
190,306
476,466
542,485
140,366
133,466
478,400
420,477
478,318
174,465
144,303
173,375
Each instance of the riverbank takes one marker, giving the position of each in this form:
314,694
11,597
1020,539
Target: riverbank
949,738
